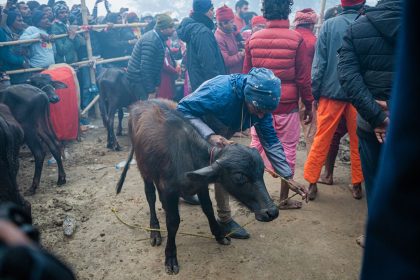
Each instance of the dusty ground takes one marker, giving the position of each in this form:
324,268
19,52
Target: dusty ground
317,242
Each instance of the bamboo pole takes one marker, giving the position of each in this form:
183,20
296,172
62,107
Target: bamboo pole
85,63
89,49
91,104
85,29
31,41
20,71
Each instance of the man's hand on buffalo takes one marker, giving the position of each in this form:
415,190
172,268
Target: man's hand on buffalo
218,140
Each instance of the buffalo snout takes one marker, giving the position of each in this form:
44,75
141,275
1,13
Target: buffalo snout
54,99
268,214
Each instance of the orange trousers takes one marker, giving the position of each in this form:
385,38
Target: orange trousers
328,116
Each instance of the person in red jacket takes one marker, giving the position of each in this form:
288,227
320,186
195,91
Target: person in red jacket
285,53
226,40
305,21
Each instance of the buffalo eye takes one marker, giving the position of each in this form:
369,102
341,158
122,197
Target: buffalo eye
239,178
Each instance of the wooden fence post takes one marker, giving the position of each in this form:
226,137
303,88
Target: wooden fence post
89,50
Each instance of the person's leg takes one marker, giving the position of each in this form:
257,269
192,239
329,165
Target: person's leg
370,150
328,116
225,214
327,177
287,127
356,168
255,143
309,130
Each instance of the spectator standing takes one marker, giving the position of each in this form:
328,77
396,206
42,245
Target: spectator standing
241,7
112,43
147,59
257,23
170,72
66,48
305,21
283,51
333,102
131,34
41,53
366,71
26,13
327,176
12,57
226,40
47,10
33,5
204,59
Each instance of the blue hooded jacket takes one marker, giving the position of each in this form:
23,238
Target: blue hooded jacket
223,99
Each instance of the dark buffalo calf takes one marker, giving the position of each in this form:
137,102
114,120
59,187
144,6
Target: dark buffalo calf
11,138
175,159
116,94
29,104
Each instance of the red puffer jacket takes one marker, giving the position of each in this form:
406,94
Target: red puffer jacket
284,52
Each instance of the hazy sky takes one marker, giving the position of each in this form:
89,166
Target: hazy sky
184,6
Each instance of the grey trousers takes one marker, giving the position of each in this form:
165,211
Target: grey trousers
222,200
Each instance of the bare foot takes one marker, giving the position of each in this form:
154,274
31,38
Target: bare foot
326,180
356,191
290,204
361,241
312,191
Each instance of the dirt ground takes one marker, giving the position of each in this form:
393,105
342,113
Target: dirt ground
316,242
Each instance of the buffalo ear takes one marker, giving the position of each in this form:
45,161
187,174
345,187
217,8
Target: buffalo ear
58,85
207,174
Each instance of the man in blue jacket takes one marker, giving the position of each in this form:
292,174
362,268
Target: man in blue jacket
232,103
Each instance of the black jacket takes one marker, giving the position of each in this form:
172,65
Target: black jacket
367,61
146,61
204,59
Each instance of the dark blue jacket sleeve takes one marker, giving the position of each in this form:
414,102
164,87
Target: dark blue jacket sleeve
206,100
273,147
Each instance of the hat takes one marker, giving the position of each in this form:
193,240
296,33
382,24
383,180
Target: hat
11,17
37,16
262,89
224,13
131,17
258,20
305,16
58,8
164,21
349,3
202,6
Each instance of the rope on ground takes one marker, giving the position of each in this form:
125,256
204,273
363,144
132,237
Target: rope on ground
136,226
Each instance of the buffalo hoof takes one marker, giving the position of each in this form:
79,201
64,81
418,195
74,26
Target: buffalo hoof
223,240
155,238
119,133
115,147
171,265
31,191
61,181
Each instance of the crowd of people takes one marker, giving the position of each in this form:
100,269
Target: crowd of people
246,73
30,20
